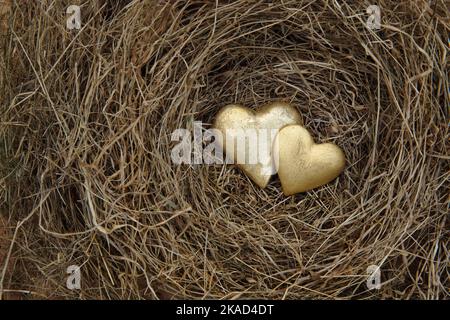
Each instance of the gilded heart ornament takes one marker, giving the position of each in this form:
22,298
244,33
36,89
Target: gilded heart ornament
303,165
233,119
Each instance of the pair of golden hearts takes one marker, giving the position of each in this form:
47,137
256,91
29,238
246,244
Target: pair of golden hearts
301,164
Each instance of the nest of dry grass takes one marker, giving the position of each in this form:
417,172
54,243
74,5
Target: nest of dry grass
87,177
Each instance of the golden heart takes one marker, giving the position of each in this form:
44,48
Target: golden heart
268,119
303,165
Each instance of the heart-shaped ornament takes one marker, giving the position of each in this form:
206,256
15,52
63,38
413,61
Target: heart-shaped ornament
303,165
233,119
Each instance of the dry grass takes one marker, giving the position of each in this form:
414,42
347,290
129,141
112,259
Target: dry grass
87,177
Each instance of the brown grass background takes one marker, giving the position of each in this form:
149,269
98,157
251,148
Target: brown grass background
87,179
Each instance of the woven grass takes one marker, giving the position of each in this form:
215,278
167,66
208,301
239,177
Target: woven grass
87,178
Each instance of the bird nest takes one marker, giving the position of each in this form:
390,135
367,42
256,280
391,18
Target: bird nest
87,177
